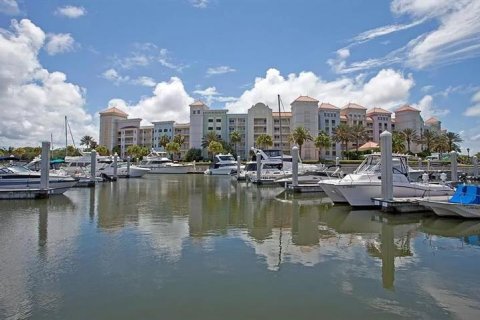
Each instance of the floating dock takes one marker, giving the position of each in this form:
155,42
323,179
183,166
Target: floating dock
9,194
405,205
304,188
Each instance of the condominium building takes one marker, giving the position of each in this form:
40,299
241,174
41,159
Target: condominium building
117,130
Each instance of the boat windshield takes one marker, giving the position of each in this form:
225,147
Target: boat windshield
15,169
373,164
226,158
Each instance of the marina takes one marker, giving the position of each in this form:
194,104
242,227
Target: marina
157,243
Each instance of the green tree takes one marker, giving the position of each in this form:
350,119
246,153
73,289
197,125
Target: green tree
164,140
86,141
322,141
209,137
264,141
178,138
427,140
453,139
102,150
172,148
215,147
193,154
441,144
299,136
116,150
19,152
398,142
359,134
72,151
343,135
136,151
409,135
235,138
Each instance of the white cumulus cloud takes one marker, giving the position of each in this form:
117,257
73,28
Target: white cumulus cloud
9,7
144,81
199,3
38,97
59,43
474,110
387,89
71,12
169,101
113,76
219,70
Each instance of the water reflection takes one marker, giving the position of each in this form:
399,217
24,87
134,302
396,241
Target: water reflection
176,231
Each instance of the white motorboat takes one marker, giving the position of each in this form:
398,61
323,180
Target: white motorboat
360,187
312,177
464,203
19,177
158,162
107,169
223,164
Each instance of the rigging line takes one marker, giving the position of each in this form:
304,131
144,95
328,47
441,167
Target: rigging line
71,135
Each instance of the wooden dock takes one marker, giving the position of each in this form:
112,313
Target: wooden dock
304,188
405,205
11,194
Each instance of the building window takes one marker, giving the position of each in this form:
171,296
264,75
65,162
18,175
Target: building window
218,120
219,128
210,120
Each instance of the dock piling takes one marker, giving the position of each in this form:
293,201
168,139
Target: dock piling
295,166
45,166
475,166
238,167
387,168
128,167
259,167
93,165
115,159
454,166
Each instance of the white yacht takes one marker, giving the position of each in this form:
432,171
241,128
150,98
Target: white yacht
158,162
107,169
359,188
223,164
19,177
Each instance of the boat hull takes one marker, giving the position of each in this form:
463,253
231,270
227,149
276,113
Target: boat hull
447,209
360,195
330,189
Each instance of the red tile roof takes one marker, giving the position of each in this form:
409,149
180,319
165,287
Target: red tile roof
305,99
114,111
354,106
406,108
432,120
378,111
328,106
197,103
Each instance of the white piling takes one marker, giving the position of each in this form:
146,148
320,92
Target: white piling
259,167
128,166
337,161
295,166
420,163
475,166
238,167
93,165
428,165
45,166
454,166
115,165
387,167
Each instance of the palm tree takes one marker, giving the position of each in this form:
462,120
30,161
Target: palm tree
427,139
441,144
409,136
86,141
343,135
264,141
180,139
164,140
235,138
398,142
102,150
172,147
215,147
299,136
359,134
322,141
209,137
452,139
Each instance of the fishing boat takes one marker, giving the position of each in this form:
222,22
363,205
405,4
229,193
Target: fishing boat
158,162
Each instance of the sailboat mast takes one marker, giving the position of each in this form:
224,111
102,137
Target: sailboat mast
280,121
66,142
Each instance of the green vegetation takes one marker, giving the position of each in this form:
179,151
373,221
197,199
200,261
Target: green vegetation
172,148
193,155
264,141
215,147
299,136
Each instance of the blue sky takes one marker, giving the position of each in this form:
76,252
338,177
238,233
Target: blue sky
153,58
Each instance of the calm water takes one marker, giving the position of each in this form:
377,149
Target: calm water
201,247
